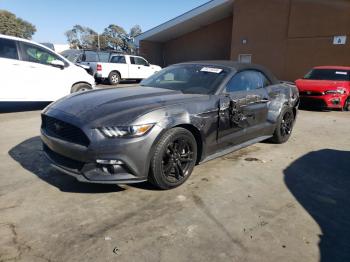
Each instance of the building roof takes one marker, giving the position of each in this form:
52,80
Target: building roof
192,20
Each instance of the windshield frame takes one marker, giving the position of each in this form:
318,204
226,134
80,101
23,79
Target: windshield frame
228,73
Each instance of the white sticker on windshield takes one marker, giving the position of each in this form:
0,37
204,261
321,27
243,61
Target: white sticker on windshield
341,73
211,70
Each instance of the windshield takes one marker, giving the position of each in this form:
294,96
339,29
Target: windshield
189,79
328,74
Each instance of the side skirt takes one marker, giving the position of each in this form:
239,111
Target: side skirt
234,148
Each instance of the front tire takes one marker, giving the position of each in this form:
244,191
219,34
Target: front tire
347,104
80,87
174,159
284,126
114,78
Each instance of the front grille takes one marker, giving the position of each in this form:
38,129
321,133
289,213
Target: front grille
311,93
63,161
309,102
63,130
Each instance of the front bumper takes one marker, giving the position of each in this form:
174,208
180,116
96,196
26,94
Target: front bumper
326,101
133,156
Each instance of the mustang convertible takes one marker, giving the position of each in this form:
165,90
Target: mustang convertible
183,115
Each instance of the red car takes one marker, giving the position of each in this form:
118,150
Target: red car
326,87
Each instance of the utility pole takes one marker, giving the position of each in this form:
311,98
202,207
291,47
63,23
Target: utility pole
98,42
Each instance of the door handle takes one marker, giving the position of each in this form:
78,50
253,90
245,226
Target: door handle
139,67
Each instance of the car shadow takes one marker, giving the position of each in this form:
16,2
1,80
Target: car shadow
320,181
12,107
29,154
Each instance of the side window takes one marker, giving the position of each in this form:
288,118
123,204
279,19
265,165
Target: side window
265,81
8,49
118,59
103,57
90,56
36,54
246,81
141,61
132,60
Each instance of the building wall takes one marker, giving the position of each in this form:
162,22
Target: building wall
312,26
291,36
152,51
209,42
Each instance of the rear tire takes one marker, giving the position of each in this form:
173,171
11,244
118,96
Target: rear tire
174,159
80,87
114,78
284,127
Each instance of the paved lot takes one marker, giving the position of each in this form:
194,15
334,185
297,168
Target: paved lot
267,202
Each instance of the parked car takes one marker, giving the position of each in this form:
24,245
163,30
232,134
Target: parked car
122,67
33,72
74,56
326,87
185,114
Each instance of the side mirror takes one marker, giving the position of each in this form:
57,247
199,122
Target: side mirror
57,63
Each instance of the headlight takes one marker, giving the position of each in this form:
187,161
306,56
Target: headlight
125,131
340,91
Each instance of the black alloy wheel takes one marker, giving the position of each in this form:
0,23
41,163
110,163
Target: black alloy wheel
177,159
174,158
284,126
287,124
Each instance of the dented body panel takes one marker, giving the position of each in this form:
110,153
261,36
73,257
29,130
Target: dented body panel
218,121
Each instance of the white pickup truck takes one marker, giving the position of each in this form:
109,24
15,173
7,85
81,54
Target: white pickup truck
123,67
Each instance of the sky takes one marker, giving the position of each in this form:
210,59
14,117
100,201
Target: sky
54,17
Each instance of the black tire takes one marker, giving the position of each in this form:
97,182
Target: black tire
284,127
114,78
80,87
174,158
347,104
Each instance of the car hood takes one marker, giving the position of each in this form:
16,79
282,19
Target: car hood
320,85
116,106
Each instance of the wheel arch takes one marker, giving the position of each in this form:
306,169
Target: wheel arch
197,135
115,71
78,83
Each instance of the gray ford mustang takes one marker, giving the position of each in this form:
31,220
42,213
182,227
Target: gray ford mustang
158,131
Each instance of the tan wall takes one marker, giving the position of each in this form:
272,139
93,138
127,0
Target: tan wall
209,42
291,36
313,23
287,36
263,24
152,51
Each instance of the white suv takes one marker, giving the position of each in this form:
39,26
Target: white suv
32,72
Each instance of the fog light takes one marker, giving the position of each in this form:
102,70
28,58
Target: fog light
109,162
336,101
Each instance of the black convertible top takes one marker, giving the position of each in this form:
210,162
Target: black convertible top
235,66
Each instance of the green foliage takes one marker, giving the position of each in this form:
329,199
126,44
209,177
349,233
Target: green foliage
15,26
114,37
82,37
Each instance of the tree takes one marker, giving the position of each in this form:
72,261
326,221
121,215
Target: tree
82,37
118,39
115,37
15,26
135,31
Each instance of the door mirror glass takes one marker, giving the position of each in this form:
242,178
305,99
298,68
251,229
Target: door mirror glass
57,63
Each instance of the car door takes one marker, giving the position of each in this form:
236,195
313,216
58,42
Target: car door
45,82
243,108
11,85
139,68
119,63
